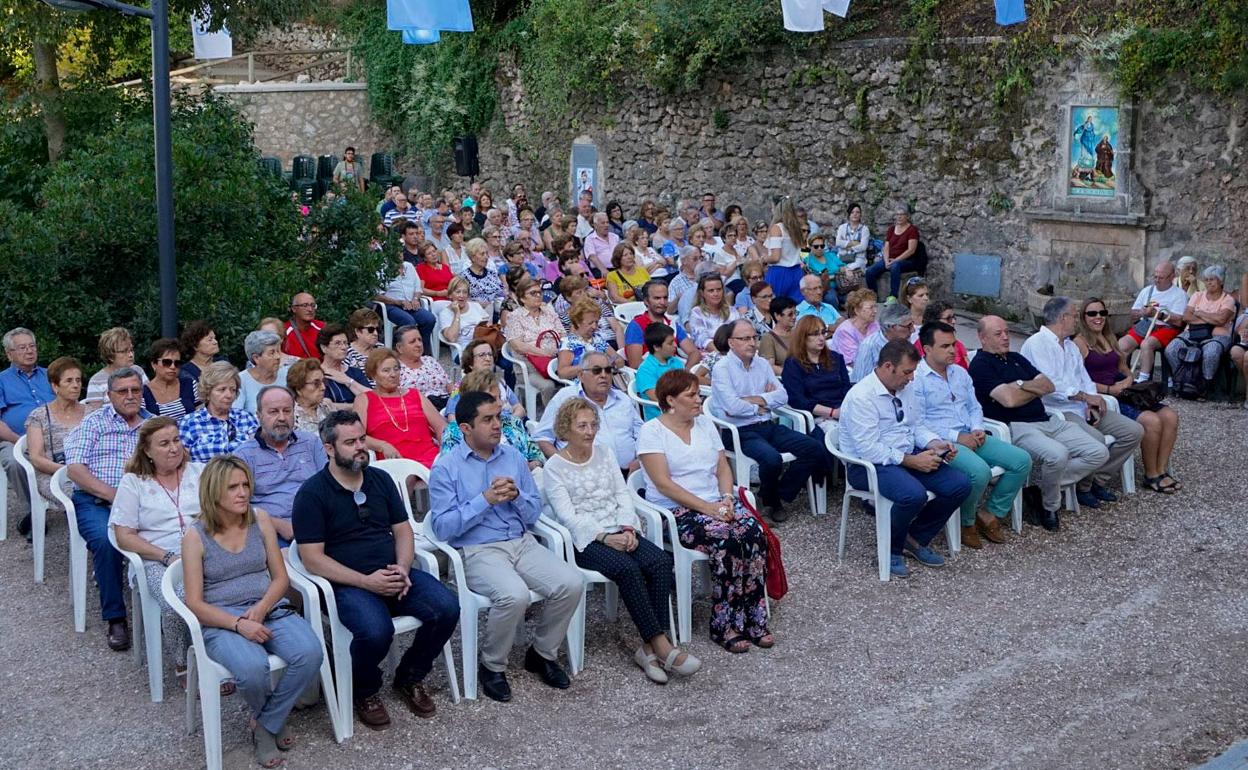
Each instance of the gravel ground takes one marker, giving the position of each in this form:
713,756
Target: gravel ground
1112,644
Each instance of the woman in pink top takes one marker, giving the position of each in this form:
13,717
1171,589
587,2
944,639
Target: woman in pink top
398,421
860,309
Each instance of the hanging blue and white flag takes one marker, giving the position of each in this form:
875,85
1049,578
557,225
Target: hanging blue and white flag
443,15
421,36
838,7
802,15
210,45
1010,12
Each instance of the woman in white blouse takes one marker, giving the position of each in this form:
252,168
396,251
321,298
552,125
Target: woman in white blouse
156,501
852,239
785,241
418,370
686,471
584,488
460,319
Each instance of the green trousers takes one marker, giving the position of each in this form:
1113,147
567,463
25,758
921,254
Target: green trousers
977,465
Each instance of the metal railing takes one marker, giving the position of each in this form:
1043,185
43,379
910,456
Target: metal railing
325,56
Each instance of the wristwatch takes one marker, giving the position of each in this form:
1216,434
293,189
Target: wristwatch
1020,383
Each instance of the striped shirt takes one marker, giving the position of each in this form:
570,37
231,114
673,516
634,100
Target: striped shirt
104,442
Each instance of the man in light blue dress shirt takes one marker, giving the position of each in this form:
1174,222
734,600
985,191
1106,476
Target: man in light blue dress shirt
813,304
945,397
880,424
744,392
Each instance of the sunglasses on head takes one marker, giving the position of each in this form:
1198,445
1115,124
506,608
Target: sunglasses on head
1096,313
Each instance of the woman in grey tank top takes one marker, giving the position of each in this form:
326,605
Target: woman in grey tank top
235,582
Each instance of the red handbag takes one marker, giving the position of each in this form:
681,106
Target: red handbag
542,363
777,581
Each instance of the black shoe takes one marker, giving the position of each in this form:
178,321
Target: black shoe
494,684
777,513
1104,494
118,635
550,671
1050,520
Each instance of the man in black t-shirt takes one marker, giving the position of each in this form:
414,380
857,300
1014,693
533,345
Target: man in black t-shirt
352,529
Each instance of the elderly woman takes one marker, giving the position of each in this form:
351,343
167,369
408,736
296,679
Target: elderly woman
306,380
860,311
459,320
686,471
485,287
117,352
583,485
815,377
398,421
584,336
199,348
757,306
363,329
435,276
1188,278
420,371
156,501
943,312
1208,318
235,583
275,325
784,244
343,383
219,427
477,356
852,239
774,344
901,247
575,286
48,425
514,431
1108,370
264,352
627,276
534,332
167,394
645,255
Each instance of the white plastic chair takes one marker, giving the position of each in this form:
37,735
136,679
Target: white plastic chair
1069,491
38,506
521,367
147,624
77,552
883,510
743,464
387,325
552,371
638,398
207,675
1002,432
627,311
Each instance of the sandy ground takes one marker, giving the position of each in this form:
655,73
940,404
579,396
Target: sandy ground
1116,643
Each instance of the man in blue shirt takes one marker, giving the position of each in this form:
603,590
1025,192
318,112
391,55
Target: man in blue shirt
483,501
23,386
945,397
813,304
654,296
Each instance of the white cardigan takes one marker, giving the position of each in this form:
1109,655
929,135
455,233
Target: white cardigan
590,498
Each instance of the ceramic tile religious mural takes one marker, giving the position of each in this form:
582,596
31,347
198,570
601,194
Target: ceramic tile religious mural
1093,152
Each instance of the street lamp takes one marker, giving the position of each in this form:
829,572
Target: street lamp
158,16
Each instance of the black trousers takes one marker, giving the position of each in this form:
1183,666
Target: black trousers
644,577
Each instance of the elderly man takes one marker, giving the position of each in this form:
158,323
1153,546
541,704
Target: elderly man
600,244
23,386
895,324
945,397
1164,300
1010,389
549,201
683,287
302,328
484,501
654,297
403,209
435,233
1054,354
744,392
584,215
812,302
281,458
616,413
353,530
96,453
880,423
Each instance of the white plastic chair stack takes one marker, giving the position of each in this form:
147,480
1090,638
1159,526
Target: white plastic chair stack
38,506
743,465
77,553
206,675
147,625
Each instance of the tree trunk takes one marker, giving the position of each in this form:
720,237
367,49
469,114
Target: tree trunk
48,86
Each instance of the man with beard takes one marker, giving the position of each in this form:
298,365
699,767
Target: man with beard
353,530
281,458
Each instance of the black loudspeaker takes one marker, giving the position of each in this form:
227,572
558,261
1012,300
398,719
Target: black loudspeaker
466,156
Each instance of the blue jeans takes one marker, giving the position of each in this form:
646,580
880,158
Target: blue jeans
92,515
912,514
763,442
420,318
293,642
894,274
368,617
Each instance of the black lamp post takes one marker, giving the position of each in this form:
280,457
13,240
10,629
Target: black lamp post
158,16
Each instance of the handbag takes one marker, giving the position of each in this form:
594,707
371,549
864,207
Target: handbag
1144,396
777,581
491,333
542,363
1197,333
57,457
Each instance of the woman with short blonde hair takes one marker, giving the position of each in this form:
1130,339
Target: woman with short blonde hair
116,348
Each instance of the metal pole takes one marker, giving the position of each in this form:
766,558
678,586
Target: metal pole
161,109
251,67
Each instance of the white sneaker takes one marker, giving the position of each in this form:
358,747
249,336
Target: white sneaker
1141,377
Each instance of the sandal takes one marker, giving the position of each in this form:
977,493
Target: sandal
1174,484
267,754
1154,483
766,641
736,645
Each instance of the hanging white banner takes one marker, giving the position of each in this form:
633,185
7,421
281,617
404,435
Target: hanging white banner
210,45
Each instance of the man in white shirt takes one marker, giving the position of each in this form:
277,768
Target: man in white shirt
616,413
1074,395
880,424
745,392
1165,301
584,215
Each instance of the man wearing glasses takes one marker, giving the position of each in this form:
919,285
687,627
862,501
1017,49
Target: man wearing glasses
302,328
353,530
616,413
709,210
23,386
880,423
96,453
744,392
895,324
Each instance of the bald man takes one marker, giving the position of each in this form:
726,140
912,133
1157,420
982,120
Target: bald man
302,328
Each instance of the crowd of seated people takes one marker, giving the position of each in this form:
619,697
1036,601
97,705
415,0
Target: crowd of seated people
223,467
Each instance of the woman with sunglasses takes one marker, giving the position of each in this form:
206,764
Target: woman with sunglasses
1108,370
363,327
167,394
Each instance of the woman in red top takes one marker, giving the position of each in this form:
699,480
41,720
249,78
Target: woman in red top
901,245
435,275
943,312
398,421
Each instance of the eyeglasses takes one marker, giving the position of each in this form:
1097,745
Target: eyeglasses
817,245
948,319
1097,313
310,305
170,362
764,296
128,391
369,329
360,499
898,412
483,354
24,348
599,370
747,338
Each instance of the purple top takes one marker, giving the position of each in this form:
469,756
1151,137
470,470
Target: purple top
1102,367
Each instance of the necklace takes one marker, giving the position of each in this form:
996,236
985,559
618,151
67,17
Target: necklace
570,457
176,498
406,420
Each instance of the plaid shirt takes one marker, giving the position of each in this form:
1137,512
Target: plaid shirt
104,442
205,436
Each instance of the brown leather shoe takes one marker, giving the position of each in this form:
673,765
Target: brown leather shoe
372,712
417,699
990,527
118,635
970,537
